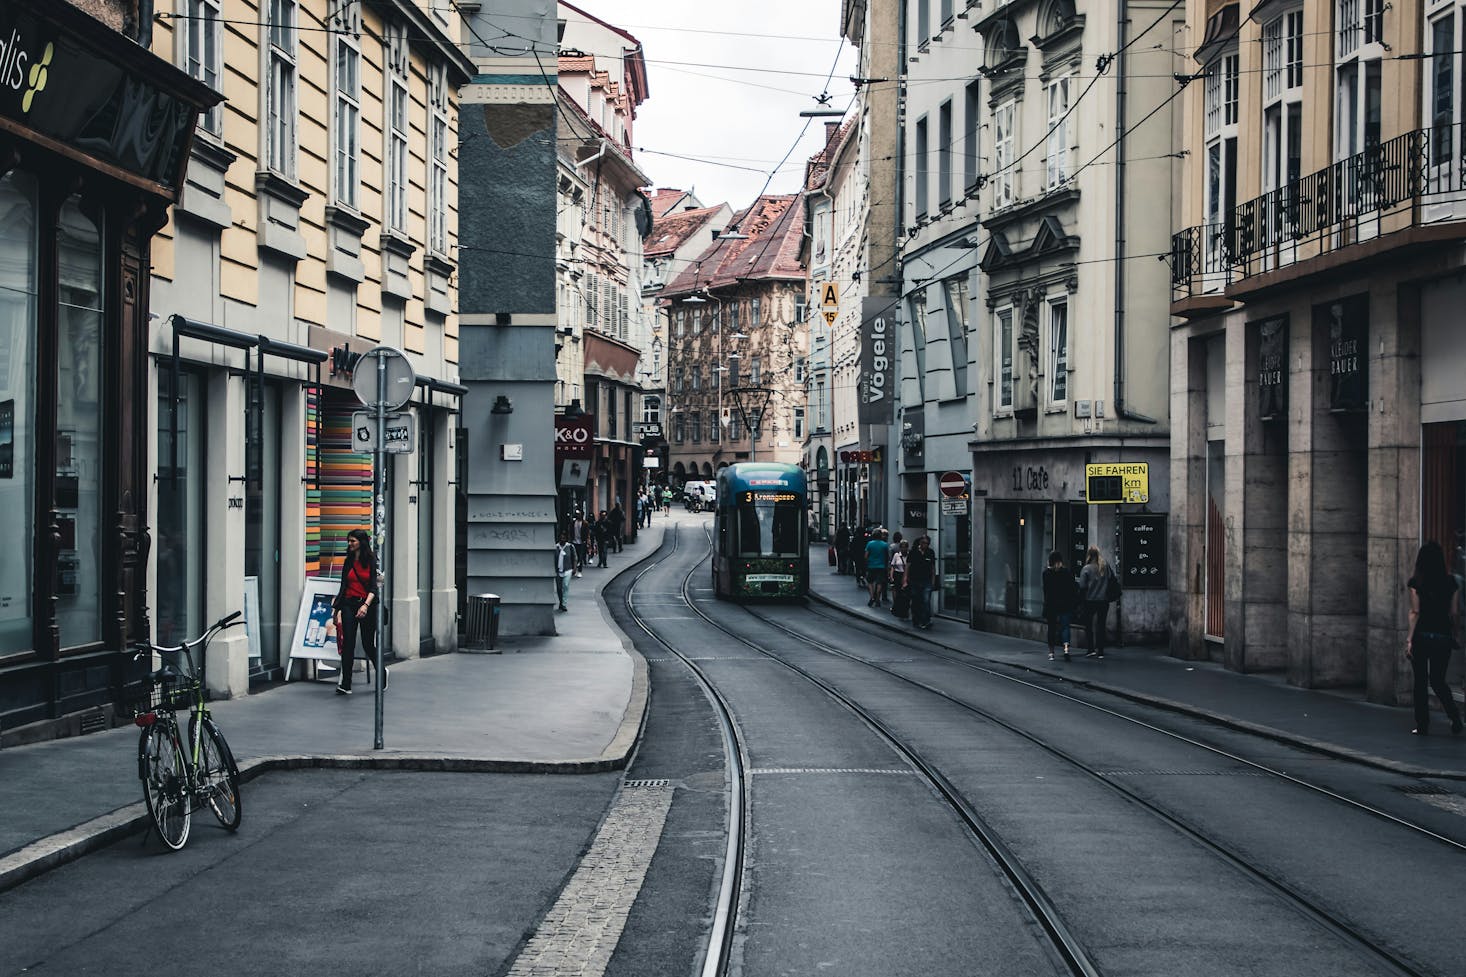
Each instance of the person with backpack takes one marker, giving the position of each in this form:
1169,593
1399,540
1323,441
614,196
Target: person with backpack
877,554
1098,586
1060,594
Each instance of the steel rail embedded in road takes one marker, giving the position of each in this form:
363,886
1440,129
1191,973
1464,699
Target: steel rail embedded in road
720,939
1068,946
1319,915
974,662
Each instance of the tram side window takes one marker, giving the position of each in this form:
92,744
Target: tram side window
769,530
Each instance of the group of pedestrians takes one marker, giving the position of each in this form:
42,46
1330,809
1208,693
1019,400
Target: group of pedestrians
892,570
582,540
1084,600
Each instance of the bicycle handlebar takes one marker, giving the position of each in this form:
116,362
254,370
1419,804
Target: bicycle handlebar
227,620
146,646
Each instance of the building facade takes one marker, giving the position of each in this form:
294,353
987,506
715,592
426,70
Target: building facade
1316,355
737,354
318,220
1063,318
603,220
94,141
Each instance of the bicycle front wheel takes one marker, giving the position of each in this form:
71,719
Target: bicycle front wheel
219,777
164,775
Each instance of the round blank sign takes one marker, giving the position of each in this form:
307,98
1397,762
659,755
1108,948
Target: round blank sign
400,378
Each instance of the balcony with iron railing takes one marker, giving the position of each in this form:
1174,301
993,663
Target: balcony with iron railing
1406,191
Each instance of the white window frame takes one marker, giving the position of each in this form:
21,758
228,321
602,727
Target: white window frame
1221,81
439,112
281,81
200,47
1056,346
1358,54
755,370
1282,103
1446,65
346,106
798,424
1059,141
1004,379
397,106
1005,179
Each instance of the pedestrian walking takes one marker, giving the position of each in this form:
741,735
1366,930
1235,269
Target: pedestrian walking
1434,608
1059,596
580,539
858,539
1097,587
356,606
564,569
921,576
601,533
667,500
877,554
617,525
842,549
900,595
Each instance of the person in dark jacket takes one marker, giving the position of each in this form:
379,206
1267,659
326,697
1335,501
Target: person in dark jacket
1059,596
356,605
842,548
858,539
600,531
1094,590
921,574
1434,602
617,525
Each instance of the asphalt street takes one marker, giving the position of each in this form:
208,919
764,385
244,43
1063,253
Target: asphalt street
340,872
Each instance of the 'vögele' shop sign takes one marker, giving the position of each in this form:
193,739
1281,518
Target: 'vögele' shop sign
53,84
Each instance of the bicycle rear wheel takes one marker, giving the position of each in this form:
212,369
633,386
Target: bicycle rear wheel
165,782
219,777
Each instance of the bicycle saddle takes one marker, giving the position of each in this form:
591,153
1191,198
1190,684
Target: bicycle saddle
167,675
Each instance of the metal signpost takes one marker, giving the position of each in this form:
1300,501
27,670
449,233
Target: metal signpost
383,381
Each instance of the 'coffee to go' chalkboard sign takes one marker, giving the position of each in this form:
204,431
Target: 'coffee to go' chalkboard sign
1143,551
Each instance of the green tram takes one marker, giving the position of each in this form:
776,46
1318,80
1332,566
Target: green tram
760,533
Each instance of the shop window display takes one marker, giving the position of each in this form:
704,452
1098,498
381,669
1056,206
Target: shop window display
78,427
1018,538
17,405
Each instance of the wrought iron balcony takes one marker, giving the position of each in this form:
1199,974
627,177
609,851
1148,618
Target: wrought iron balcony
1412,180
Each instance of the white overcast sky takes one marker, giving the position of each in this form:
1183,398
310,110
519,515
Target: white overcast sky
701,105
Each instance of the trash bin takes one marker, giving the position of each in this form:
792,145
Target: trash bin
483,621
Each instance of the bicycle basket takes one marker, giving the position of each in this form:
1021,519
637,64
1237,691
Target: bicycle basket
170,697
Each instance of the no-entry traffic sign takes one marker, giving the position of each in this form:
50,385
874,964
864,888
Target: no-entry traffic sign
953,485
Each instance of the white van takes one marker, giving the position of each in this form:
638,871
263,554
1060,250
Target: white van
699,495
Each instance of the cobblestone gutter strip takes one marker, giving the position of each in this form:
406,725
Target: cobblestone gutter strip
58,849
580,932
1184,708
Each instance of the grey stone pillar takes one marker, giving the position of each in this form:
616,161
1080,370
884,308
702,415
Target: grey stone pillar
1187,615
1394,486
506,165
1257,503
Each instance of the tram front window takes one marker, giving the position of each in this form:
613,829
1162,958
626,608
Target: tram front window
767,527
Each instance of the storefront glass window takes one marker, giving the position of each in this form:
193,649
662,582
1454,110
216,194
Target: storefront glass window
17,405
955,539
1018,538
78,427
181,540
262,522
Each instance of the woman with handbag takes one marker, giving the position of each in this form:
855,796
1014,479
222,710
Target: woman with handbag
356,606
900,596
1434,601
1096,583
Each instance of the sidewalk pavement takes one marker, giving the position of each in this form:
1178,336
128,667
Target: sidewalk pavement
1338,723
573,702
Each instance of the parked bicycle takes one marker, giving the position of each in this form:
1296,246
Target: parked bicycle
182,775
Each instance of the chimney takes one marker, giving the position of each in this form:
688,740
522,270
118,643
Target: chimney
831,128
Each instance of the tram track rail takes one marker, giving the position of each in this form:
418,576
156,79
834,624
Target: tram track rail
1003,671
718,956
1340,928
1068,947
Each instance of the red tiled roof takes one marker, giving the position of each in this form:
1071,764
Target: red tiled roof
670,231
774,225
665,199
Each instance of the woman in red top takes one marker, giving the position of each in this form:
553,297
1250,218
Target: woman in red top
356,604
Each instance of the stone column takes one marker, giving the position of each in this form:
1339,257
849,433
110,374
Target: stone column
1394,486
292,512
1188,494
1257,494
444,591
402,579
